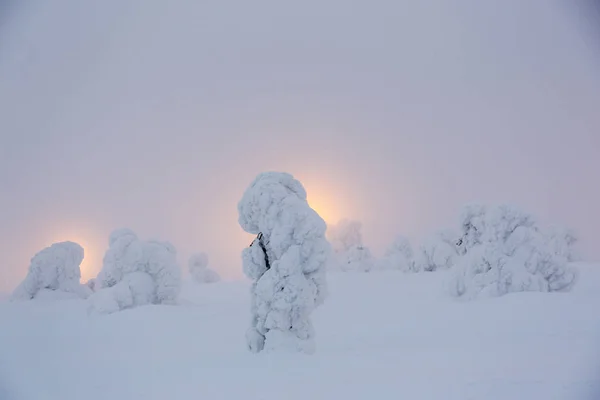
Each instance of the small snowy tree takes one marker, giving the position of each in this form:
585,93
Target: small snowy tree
472,221
349,252
286,262
398,256
438,252
199,271
135,273
562,243
510,254
55,268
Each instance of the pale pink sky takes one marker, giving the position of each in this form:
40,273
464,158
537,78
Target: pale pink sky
155,115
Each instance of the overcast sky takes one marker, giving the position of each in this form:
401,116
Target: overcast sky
156,115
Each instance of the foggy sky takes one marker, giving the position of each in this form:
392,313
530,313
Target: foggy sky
156,115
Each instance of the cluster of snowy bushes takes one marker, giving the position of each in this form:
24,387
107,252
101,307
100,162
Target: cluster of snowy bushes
504,250
134,273
495,250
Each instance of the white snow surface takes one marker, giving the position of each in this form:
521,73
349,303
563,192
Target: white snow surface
400,339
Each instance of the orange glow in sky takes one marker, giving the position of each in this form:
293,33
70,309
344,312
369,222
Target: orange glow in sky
90,258
325,200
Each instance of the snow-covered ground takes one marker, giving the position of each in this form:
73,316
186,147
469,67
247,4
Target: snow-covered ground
385,335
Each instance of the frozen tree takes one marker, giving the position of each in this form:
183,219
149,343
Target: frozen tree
349,252
345,235
55,268
91,283
562,243
437,252
510,254
199,271
135,273
398,256
472,220
286,262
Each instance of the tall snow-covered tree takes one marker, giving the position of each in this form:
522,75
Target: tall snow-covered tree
135,273
349,252
199,271
510,254
55,268
286,263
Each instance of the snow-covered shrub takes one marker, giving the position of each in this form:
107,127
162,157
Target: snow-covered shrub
472,221
135,273
562,243
199,271
349,252
510,254
438,252
55,268
286,262
91,283
344,235
398,256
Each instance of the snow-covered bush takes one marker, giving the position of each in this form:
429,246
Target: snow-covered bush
398,256
91,283
135,273
349,252
286,262
55,268
505,251
562,243
199,271
437,252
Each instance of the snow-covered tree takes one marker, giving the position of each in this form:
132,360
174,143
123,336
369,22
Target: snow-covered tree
91,283
55,268
437,252
135,273
562,242
349,252
472,221
345,235
199,271
510,254
286,262
398,256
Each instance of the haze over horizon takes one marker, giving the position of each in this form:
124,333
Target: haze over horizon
156,117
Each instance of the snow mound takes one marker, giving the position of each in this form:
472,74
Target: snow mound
55,268
286,262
